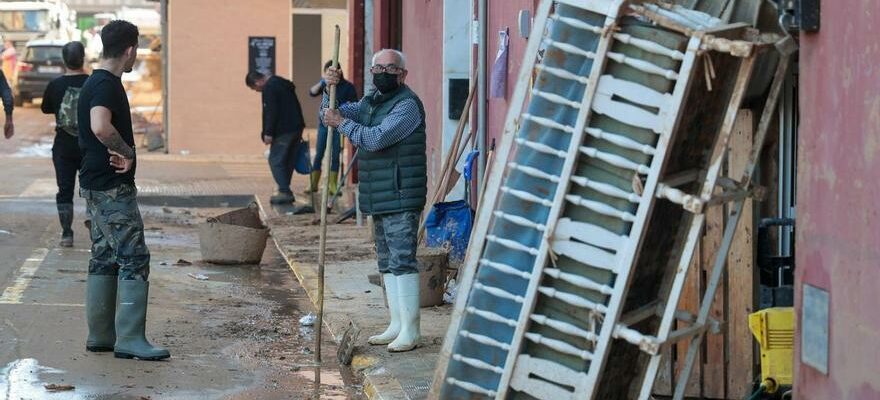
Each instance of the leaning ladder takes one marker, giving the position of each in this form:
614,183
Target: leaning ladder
568,200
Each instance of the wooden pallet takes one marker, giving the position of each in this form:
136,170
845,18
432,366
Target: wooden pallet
728,369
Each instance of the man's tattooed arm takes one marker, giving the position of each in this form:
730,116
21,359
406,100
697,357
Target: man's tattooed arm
115,144
100,118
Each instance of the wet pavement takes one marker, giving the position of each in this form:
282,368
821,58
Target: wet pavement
235,335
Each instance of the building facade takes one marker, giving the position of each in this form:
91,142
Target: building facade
99,6
210,110
449,31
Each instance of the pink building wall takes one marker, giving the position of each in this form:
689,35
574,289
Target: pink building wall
838,229
211,111
423,45
503,14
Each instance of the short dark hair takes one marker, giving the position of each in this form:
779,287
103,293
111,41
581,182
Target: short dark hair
117,36
74,53
252,77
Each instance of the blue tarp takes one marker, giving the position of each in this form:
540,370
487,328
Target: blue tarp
449,224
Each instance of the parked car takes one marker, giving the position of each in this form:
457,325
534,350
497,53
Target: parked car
41,63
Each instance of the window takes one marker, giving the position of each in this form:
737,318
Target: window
43,54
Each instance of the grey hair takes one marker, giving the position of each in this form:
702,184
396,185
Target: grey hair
400,57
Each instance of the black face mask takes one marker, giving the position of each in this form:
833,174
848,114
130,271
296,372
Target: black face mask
385,82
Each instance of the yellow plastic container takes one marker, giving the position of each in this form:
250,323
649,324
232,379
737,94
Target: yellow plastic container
773,328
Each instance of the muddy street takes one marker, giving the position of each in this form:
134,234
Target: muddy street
233,331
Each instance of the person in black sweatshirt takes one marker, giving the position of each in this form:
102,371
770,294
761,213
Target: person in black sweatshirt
282,129
61,98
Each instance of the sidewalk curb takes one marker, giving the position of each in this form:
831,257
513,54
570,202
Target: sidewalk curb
378,384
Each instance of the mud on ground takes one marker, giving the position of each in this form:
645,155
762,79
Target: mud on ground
345,242
248,313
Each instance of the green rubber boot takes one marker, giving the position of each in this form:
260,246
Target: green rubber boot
131,318
314,178
333,178
100,310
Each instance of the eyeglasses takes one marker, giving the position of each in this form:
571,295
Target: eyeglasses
389,68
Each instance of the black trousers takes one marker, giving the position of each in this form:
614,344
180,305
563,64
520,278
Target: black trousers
282,158
67,159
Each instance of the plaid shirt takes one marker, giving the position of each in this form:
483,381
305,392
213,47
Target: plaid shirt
403,119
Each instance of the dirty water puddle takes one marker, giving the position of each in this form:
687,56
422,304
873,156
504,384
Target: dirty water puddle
42,149
332,382
25,379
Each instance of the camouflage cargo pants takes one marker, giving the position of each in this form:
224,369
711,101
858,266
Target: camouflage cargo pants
396,242
117,233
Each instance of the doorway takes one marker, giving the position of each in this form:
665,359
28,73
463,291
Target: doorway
307,63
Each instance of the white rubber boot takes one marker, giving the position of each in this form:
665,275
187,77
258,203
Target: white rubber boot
393,310
408,288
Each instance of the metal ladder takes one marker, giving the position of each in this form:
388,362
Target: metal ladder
568,200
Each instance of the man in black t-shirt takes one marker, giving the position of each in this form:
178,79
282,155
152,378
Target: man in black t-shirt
60,98
117,284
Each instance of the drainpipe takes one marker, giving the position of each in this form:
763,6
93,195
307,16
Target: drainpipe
163,5
482,19
369,31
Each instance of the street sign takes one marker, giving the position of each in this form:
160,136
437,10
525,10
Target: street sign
261,54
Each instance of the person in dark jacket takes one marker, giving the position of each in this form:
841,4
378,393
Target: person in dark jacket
8,104
388,127
282,129
61,98
345,93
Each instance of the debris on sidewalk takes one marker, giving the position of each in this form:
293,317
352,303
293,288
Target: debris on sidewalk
451,289
433,264
345,351
237,237
58,387
308,320
181,263
200,277
375,279
154,140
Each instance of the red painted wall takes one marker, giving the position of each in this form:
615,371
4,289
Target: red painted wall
356,39
504,14
838,230
423,46
422,37
386,24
